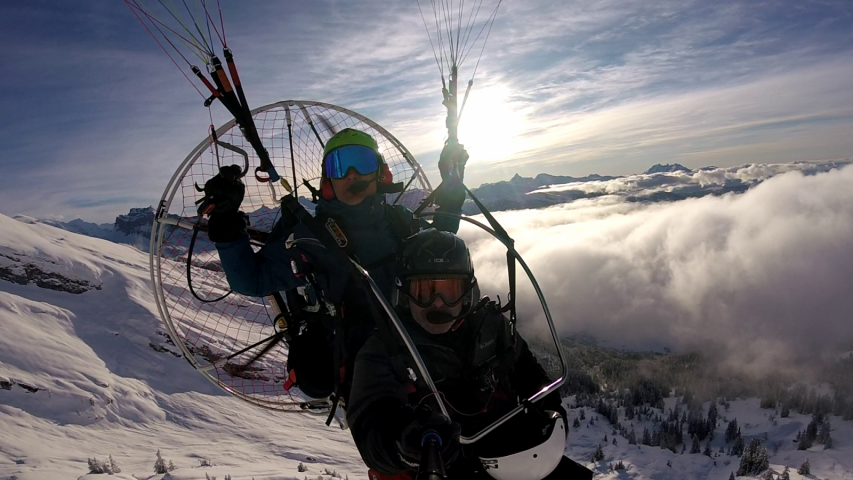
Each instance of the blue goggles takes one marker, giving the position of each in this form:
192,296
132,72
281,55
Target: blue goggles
363,159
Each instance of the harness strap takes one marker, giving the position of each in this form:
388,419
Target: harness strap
340,255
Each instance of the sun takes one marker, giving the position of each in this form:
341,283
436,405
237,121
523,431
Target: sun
491,124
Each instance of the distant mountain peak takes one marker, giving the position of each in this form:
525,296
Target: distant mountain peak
667,168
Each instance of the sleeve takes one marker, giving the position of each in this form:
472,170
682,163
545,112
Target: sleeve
377,410
256,274
262,273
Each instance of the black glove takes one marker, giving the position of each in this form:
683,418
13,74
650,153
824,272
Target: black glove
410,443
227,226
450,195
223,193
452,155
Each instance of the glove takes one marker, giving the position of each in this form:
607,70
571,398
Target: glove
452,155
227,227
223,193
450,195
410,443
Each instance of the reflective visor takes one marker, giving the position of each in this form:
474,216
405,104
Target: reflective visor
363,159
424,291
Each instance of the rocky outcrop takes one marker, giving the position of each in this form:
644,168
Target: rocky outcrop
24,271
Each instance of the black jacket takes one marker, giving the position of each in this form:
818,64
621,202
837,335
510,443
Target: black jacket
478,369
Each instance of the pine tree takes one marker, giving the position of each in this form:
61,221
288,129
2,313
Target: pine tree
761,457
786,474
805,468
576,423
712,415
805,442
737,448
707,450
754,460
695,447
731,430
647,438
114,466
160,465
768,475
96,466
732,476
786,411
598,455
823,435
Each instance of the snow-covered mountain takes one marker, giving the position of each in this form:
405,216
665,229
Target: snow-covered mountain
134,228
660,183
667,168
83,374
86,372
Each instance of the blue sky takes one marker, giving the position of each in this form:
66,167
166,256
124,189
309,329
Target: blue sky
95,118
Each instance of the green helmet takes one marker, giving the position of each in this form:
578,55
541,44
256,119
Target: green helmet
350,136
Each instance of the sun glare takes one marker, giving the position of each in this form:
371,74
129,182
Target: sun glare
490,124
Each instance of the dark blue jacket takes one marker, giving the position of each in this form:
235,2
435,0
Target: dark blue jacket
366,225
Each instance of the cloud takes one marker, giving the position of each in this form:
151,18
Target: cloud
760,279
683,184
572,87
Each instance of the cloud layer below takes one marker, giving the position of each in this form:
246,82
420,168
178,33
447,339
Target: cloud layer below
760,279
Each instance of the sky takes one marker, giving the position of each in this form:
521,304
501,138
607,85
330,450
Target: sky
96,118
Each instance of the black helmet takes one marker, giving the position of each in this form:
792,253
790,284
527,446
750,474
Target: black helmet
436,256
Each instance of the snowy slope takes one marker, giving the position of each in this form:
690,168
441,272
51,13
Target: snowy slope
646,462
79,380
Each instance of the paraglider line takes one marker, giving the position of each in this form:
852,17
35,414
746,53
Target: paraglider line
439,38
470,26
211,22
195,42
489,22
166,51
440,67
192,45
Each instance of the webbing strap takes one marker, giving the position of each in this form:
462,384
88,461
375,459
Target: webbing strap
341,257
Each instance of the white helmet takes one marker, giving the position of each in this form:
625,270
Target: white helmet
535,461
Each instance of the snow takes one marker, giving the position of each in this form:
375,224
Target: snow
645,462
103,391
79,380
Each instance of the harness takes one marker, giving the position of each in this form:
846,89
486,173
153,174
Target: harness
343,349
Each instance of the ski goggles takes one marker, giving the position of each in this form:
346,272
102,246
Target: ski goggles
363,159
424,291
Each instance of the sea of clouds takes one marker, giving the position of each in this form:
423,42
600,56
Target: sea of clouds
761,279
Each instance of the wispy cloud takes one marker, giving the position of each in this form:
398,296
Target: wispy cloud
93,107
